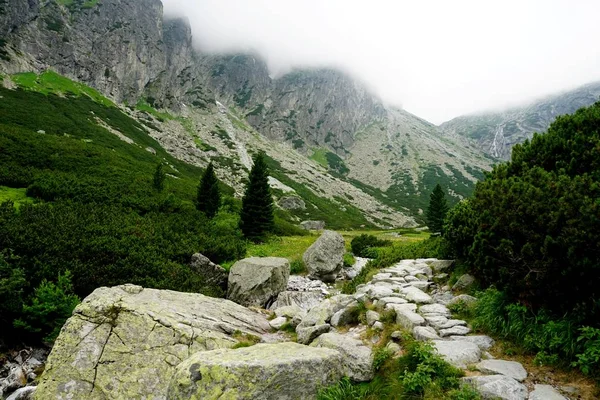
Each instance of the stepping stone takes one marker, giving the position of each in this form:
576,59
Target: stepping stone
456,330
390,300
372,317
410,278
452,323
460,354
498,387
484,342
421,285
511,369
425,333
278,322
378,292
414,295
408,319
436,321
434,309
545,392
408,306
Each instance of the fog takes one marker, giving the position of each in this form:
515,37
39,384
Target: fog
436,59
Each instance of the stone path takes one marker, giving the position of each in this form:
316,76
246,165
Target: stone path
420,304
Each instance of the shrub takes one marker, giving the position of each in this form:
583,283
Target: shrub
363,243
297,267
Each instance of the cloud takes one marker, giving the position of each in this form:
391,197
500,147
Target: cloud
437,58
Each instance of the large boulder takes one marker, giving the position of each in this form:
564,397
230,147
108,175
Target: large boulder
325,258
357,358
211,273
458,353
125,342
264,371
257,281
291,203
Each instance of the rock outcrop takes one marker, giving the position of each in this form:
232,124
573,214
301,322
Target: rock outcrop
257,281
125,342
264,371
324,259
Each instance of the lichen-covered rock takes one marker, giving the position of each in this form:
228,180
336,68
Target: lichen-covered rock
264,371
357,358
125,342
323,312
325,257
24,393
257,281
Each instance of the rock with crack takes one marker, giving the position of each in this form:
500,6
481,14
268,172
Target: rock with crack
257,281
425,333
124,342
264,371
511,369
498,387
357,358
325,257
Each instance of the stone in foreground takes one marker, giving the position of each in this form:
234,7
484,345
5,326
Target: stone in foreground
460,354
125,342
357,359
325,257
257,281
511,369
264,371
307,334
498,387
484,342
425,333
545,392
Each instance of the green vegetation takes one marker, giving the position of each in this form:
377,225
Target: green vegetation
158,181
143,105
208,199
531,234
319,155
256,217
365,245
329,160
437,210
16,196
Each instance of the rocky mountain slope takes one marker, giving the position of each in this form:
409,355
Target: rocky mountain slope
366,156
496,133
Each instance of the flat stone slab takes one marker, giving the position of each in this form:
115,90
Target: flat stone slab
460,354
408,319
455,331
498,387
390,300
425,333
545,392
263,371
437,309
511,369
415,295
484,342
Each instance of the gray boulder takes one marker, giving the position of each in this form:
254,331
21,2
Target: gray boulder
425,333
264,371
460,354
464,282
313,225
24,393
498,387
307,334
291,203
484,342
303,300
125,342
323,312
511,369
357,359
345,316
211,273
463,298
440,265
258,281
545,392
325,258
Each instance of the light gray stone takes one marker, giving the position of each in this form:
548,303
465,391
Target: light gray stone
438,309
451,323
292,203
408,319
24,393
441,265
511,369
139,335
498,387
390,300
278,322
378,326
464,282
379,292
415,295
307,334
257,281
425,333
455,331
313,225
303,300
357,359
372,317
323,312
463,298
289,311
325,257
545,392
345,316
393,347
437,321
420,284
264,371
460,354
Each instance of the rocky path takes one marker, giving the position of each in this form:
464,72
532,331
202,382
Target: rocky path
420,305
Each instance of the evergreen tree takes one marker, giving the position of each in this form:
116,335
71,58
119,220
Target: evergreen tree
256,217
437,210
159,178
208,199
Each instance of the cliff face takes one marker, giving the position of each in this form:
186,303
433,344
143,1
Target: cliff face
497,133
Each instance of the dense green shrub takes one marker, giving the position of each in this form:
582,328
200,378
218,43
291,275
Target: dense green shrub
256,217
532,228
362,245
437,209
433,247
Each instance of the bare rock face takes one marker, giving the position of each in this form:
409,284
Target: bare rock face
124,342
325,258
257,281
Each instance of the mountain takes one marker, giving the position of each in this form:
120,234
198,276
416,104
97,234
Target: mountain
328,138
497,132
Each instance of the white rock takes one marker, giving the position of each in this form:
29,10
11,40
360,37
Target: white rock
498,387
278,322
24,393
372,317
511,369
545,392
452,323
420,284
393,347
463,298
307,334
390,300
484,342
434,309
455,330
436,321
415,295
425,333
378,326
379,292
408,319
440,265
458,353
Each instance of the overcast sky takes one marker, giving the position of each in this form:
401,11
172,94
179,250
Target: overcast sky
436,58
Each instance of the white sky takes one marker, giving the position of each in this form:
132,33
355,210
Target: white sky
436,58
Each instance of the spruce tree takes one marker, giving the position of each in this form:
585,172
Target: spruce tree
208,199
437,210
256,218
158,181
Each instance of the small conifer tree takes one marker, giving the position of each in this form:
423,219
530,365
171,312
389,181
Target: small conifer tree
208,199
256,218
437,210
158,181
